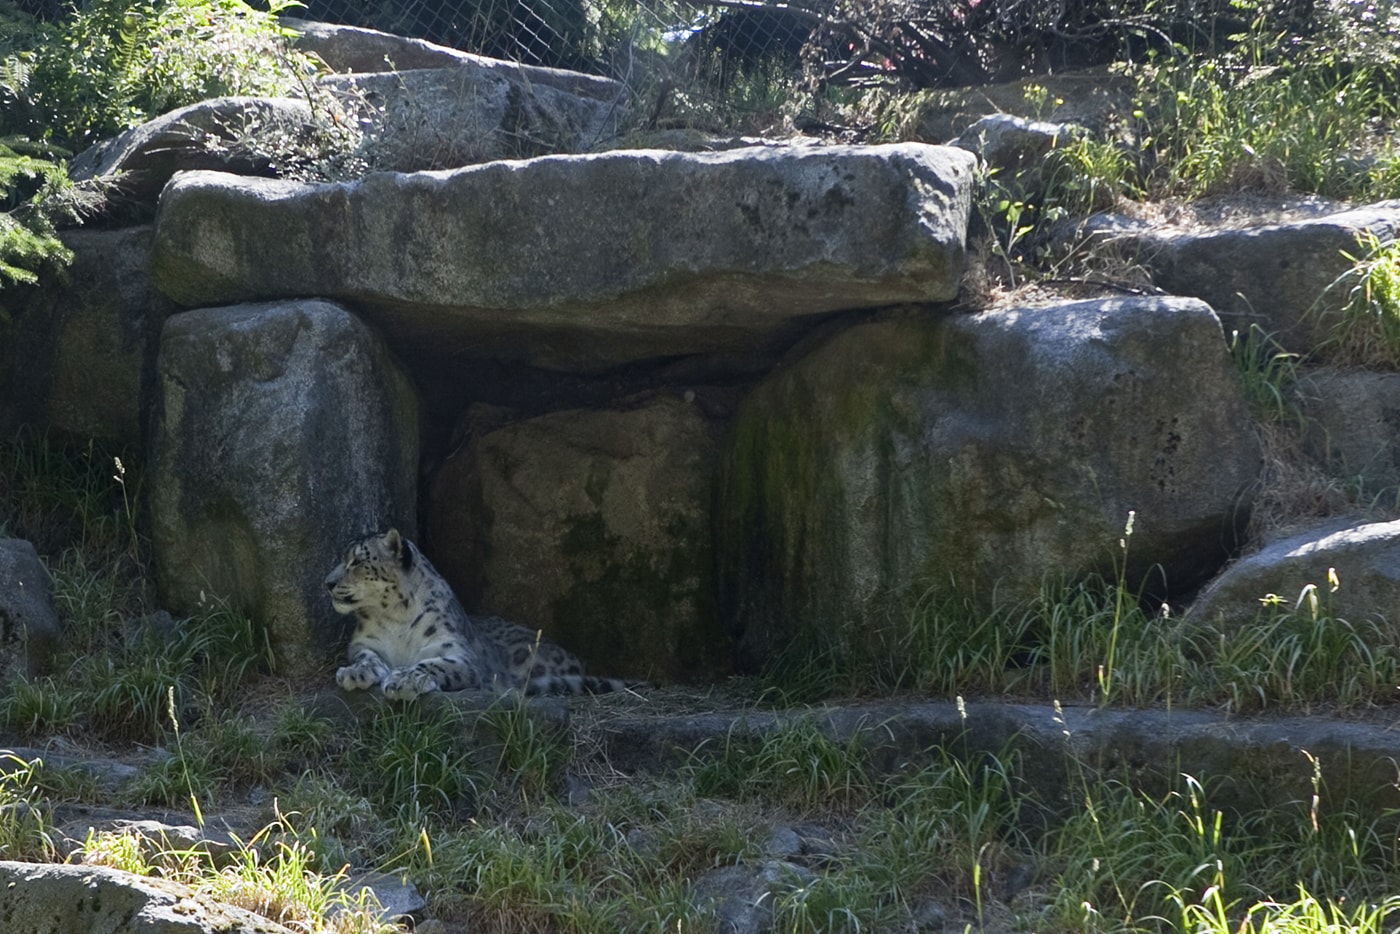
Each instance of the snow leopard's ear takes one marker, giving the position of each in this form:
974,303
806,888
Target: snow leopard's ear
399,548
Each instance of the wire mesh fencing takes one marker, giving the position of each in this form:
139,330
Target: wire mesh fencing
739,52
664,50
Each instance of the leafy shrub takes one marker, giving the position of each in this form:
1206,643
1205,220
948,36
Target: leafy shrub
1293,99
950,43
117,63
110,66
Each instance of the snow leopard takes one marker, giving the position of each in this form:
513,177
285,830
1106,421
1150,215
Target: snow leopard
413,637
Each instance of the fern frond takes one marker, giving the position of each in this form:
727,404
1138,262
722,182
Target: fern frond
14,75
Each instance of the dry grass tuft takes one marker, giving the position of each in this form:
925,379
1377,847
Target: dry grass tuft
1294,491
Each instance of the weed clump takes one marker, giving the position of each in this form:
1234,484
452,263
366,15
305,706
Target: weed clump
1365,330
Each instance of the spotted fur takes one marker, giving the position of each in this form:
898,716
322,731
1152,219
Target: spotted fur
413,637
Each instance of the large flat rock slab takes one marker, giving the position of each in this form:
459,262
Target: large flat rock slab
1248,763
358,50
1274,275
584,262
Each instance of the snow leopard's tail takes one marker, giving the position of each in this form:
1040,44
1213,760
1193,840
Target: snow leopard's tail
580,684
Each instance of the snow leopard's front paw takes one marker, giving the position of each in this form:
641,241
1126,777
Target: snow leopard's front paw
408,683
363,674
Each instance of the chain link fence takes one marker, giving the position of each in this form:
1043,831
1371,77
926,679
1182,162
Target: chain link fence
751,54
655,47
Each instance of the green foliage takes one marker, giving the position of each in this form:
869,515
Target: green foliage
1095,641
286,887
532,756
122,691
1297,657
1086,174
343,827
945,43
119,662
275,878
1276,103
415,761
1121,851
110,65
124,851
116,63
1365,331
951,825
29,189
68,496
39,708
1128,860
25,829
171,780
234,748
223,647
300,736
1091,639
1226,126
954,646
1305,915
1269,375
796,765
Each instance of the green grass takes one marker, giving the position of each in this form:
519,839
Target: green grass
531,757
955,832
1094,641
1363,327
1224,127
62,497
1304,914
116,682
415,763
119,659
1269,375
1126,860
1119,859
797,765
276,879
25,832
